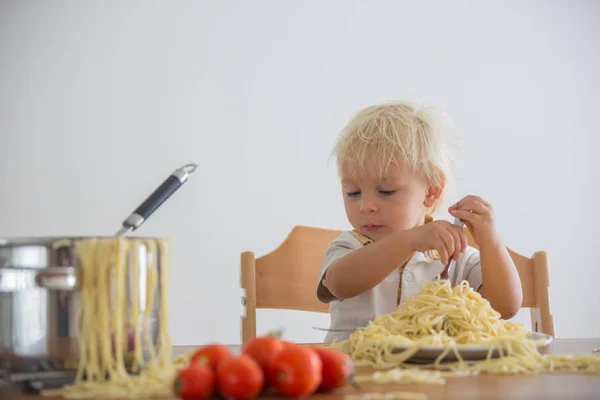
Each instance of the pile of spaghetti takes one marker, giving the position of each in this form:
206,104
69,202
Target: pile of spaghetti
455,317
113,306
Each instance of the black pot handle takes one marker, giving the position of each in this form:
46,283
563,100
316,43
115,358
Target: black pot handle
157,198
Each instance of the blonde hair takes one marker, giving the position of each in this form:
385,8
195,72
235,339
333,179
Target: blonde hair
395,134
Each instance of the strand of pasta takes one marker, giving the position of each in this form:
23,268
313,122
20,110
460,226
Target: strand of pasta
151,288
119,309
165,338
135,305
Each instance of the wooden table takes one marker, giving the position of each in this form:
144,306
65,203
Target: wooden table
547,386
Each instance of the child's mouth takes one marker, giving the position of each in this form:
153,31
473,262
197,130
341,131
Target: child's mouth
371,227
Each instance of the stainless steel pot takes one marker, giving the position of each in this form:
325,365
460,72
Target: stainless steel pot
39,294
39,303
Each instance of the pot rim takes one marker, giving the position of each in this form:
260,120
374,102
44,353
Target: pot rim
49,240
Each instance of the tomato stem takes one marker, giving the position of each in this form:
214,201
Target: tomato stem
277,333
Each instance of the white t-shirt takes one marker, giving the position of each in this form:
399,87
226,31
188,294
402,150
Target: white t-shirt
352,313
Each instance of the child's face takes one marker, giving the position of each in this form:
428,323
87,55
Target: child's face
377,206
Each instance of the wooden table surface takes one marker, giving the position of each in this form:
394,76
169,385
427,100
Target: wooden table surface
547,386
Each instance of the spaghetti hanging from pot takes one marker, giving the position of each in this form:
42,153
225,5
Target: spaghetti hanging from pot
108,365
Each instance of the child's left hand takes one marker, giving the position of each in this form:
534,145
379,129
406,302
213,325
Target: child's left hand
478,215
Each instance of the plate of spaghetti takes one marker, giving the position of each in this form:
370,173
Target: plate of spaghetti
455,329
426,354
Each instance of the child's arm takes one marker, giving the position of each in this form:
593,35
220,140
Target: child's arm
365,267
501,281
503,288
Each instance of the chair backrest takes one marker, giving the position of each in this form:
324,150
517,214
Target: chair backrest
286,278
535,281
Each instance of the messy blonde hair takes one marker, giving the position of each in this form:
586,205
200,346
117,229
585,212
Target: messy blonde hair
394,134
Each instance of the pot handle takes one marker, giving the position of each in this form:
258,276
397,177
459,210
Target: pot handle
57,278
51,278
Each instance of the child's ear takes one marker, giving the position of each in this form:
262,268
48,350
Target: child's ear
433,193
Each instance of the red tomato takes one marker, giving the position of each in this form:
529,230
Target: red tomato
240,378
263,349
195,382
296,371
288,344
211,355
338,368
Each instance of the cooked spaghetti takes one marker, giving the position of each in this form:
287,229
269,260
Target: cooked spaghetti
108,367
398,375
387,396
454,317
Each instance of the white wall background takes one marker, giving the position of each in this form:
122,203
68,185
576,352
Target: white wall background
100,101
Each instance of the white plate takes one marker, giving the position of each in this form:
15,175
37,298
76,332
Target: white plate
428,354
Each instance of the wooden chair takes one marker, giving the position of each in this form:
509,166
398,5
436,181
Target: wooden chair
535,281
286,278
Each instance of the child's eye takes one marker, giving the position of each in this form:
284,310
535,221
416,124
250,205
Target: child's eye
387,192
352,194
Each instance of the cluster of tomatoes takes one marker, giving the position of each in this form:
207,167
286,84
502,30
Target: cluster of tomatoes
265,363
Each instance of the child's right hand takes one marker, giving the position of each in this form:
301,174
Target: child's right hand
448,239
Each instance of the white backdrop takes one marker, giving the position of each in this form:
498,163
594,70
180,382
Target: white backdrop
100,101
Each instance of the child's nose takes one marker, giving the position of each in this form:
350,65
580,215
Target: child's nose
367,206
